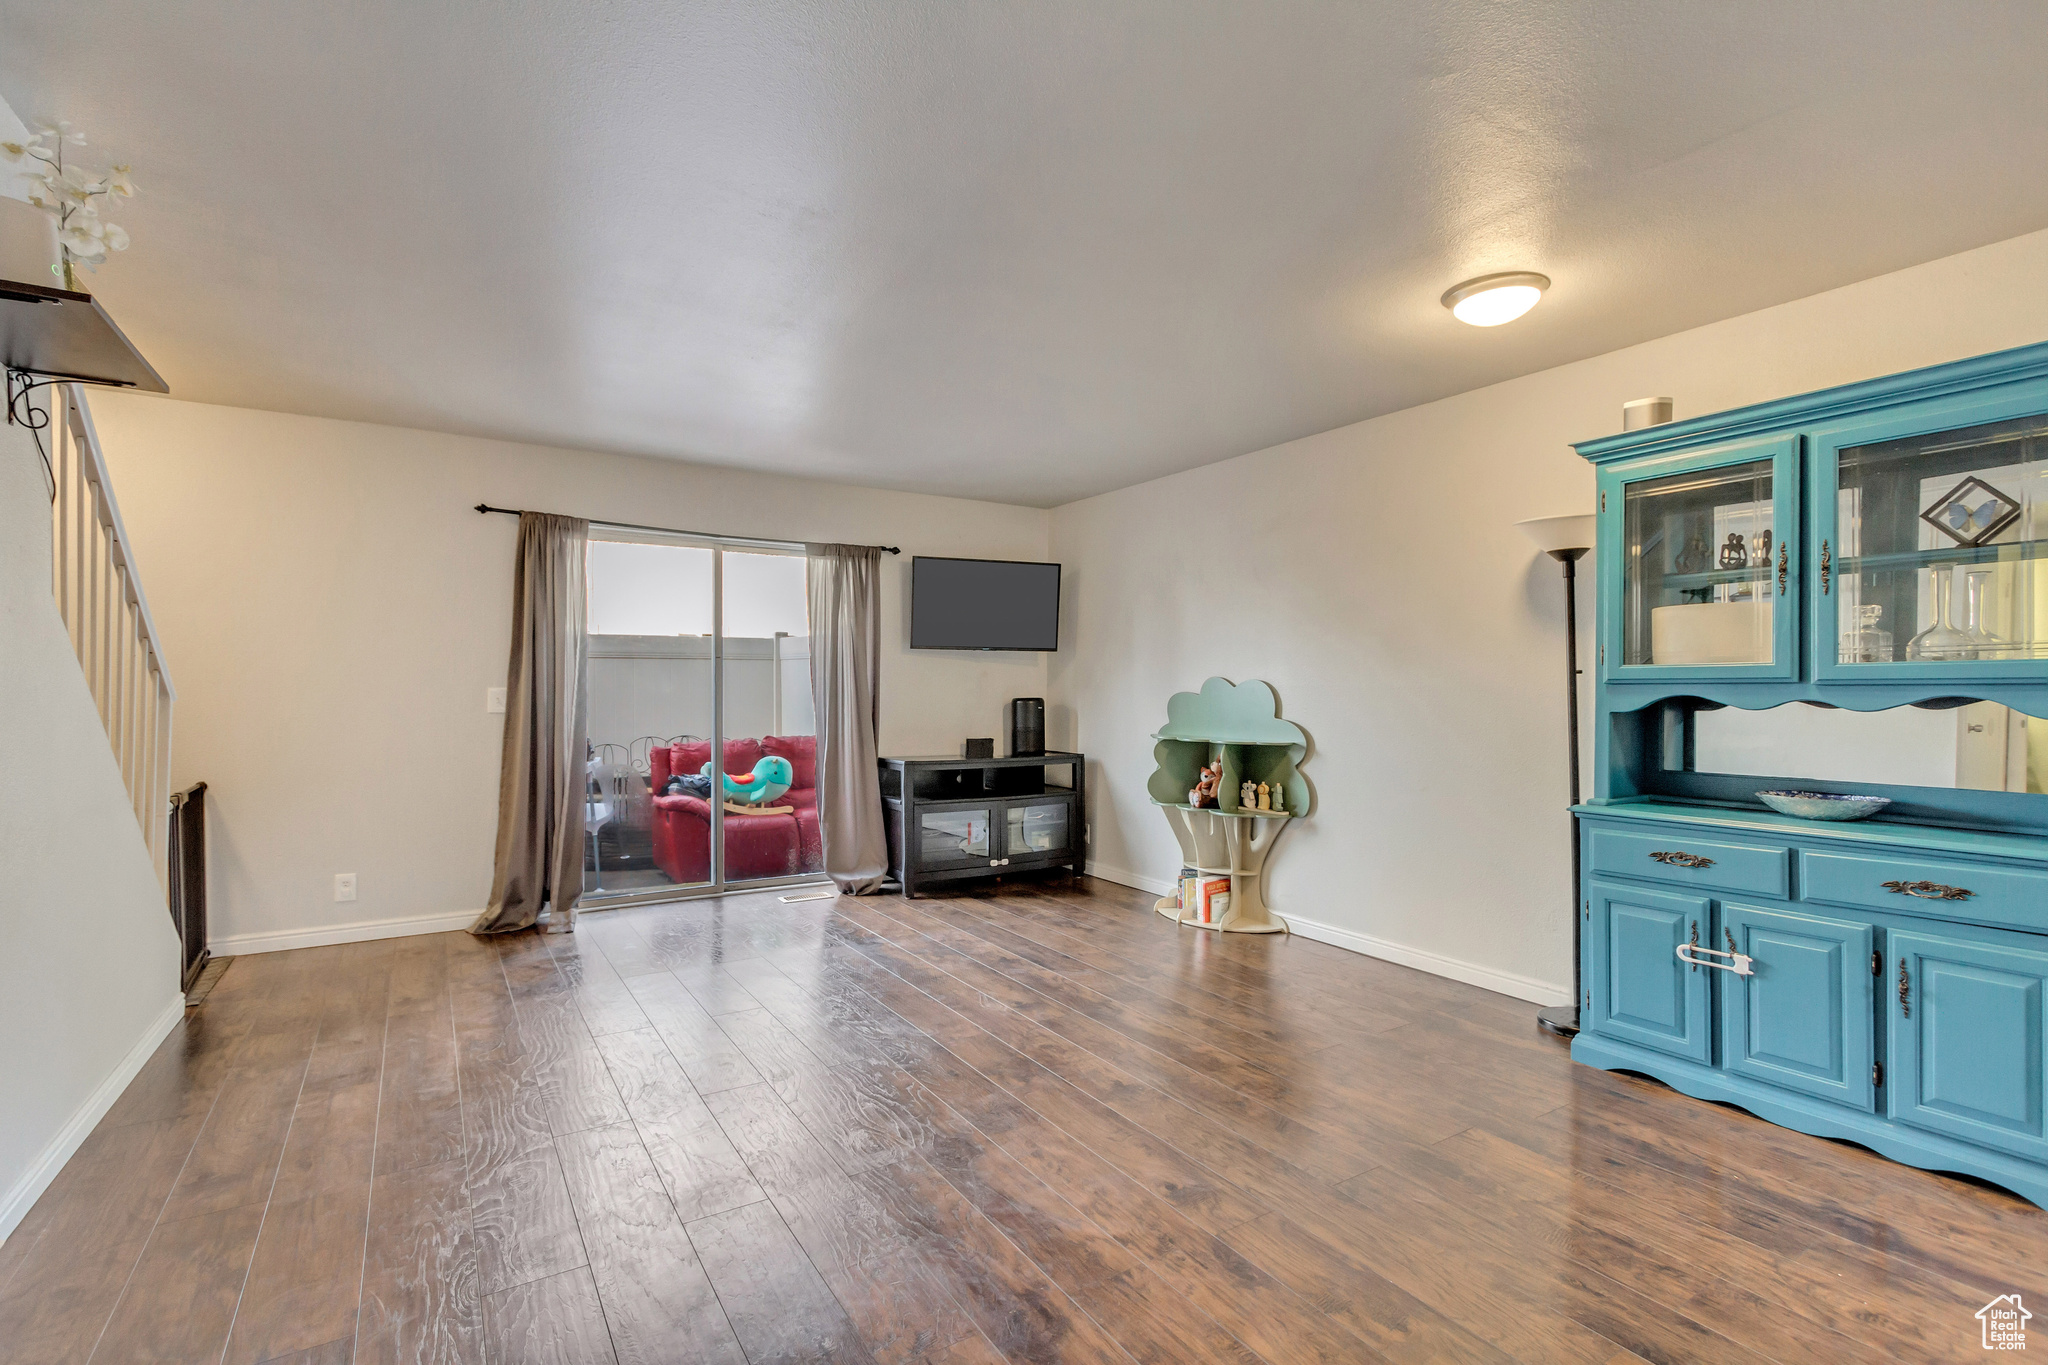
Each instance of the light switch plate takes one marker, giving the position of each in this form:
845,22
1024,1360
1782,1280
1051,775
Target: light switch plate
344,886
494,700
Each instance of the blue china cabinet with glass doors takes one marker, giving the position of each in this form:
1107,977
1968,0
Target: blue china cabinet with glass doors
1844,593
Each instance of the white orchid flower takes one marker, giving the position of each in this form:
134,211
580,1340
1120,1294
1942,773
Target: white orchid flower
69,193
82,244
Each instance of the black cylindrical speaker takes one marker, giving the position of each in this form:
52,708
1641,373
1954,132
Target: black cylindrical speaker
1027,726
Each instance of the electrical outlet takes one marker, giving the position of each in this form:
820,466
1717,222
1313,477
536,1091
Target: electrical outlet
494,700
344,886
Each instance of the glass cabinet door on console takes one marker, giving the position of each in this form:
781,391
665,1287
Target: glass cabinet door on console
1040,827
1698,585
953,837
1930,557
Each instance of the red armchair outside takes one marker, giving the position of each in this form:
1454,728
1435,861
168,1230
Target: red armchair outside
755,845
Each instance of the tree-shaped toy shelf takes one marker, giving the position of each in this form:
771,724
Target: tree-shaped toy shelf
1238,725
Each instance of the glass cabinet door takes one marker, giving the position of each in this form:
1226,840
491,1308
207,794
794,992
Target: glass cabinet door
1036,828
1934,559
1706,554
948,837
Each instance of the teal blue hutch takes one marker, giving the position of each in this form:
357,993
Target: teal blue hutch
1842,593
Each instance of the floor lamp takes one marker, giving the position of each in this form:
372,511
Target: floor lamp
1567,540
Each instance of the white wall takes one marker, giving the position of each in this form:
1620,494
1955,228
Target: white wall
89,970
1373,575
335,610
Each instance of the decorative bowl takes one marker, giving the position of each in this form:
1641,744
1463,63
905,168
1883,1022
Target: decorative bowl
1823,805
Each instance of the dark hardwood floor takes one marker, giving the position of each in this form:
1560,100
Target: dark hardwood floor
1037,1123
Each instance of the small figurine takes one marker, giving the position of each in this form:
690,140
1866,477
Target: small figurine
1204,793
1760,550
1279,799
1265,797
1693,557
1733,555
1248,796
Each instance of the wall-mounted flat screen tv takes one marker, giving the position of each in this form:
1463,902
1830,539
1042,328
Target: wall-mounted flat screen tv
983,604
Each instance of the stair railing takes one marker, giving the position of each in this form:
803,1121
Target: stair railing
100,597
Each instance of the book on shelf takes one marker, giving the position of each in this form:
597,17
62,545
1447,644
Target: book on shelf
1212,899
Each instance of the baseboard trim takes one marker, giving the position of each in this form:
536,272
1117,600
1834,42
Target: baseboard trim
79,1126
277,940
1436,964
1137,881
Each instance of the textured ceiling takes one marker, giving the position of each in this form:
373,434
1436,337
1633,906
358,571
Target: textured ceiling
1022,251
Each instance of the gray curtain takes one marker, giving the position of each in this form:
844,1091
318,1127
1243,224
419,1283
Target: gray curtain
541,778
846,668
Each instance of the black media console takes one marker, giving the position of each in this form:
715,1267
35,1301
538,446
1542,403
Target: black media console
952,818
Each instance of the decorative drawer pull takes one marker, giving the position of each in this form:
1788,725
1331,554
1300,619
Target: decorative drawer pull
1826,567
1929,891
1739,963
1675,859
1905,991
1784,561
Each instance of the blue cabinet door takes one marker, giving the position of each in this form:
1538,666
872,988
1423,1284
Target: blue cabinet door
1641,991
1802,1019
1967,1045
1697,565
1883,540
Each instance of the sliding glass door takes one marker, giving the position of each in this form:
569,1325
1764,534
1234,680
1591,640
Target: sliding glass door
702,768
771,806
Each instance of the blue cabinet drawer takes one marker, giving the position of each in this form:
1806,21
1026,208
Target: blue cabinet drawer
1684,859
2010,896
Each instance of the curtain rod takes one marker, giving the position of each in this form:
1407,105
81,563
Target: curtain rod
669,530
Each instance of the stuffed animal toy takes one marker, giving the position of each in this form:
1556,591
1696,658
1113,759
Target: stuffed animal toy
1204,793
771,778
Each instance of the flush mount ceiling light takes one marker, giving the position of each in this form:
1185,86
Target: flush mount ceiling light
1491,300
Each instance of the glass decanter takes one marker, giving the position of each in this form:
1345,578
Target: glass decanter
1977,612
1942,640
1868,644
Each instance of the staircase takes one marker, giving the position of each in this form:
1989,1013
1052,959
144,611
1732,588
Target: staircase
100,597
